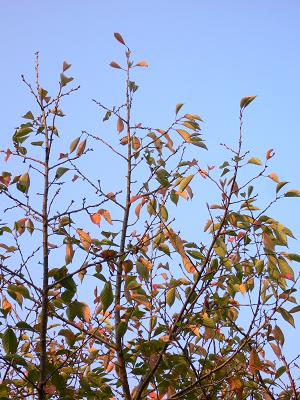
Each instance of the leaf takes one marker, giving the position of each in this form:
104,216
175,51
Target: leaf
255,161
9,341
292,193
285,269
81,148
286,316
80,310
96,218
274,177
278,335
120,125
254,362
142,64
270,153
113,64
184,183
119,38
60,171
246,101
28,115
178,107
69,253
280,186
24,183
185,135
292,256
178,246
74,144
106,215
106,296
276,350
64,80
66,66
136,143
84,238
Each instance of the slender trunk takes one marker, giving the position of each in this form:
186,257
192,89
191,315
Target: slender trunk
44,312
122,373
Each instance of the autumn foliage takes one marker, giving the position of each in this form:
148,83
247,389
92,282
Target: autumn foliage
102,297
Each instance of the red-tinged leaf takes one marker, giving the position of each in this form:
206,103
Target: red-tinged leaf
270,153
119,38
62,155
142,64
75,177
274,177
276,350
50,389
139,207
106,215
81,148
135,198
254,362
96,218
66,66
111,196
120,125
286,271
113,64
7,155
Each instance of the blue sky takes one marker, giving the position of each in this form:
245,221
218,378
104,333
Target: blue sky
206,54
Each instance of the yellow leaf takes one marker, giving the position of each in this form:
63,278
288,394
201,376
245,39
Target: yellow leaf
85,239
142,64
184,134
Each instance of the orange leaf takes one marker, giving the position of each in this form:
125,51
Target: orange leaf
178,246
274,177
106,215
113,64
120,125
69,253
254,362
142,64
270,154
7,155
119,38
96,218
135,198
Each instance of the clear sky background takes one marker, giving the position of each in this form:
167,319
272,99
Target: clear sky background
206,54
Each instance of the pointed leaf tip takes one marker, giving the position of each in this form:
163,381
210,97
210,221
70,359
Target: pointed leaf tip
246,101
119,38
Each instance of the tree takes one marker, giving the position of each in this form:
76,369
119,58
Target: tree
103,297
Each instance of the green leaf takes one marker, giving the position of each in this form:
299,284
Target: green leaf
106,296
9,341
280,186
255,161
208,322
259,266
178,107
295,309
292,193
60,171
286,316
39,143
24,183
285,269
292,256
170,297
278,335
24,326
246,101
28,115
